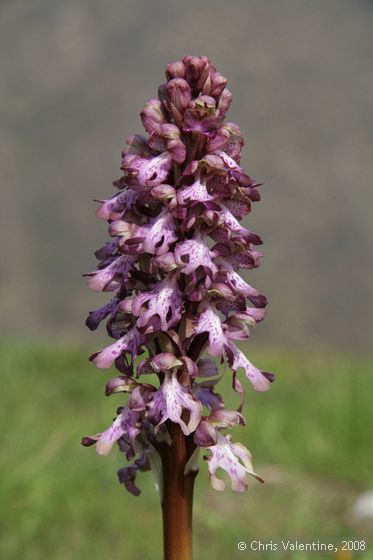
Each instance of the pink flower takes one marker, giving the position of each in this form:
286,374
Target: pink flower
126,423
155,237
160,308
258,379
178,244
171,400
233,458
194,253
129,343
209,322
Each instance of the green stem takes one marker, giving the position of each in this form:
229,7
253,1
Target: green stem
177,502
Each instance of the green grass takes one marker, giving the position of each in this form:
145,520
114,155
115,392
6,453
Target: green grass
310,437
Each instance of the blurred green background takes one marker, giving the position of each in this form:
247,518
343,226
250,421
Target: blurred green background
74,77
311,438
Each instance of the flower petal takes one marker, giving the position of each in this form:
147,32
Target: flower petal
205,434
155,237
194,253
241,287
160,308
210,322
196,192
113,208
131,343
105,440
110,278
238,360
95,317
169,402
165,361
205,393
227,456
223,418
148,172
152,116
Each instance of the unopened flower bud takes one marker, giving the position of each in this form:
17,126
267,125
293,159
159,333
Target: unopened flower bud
214,85
175,70
224,102
196,70
179,96
152,116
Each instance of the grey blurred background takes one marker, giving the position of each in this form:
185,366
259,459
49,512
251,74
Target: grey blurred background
74,76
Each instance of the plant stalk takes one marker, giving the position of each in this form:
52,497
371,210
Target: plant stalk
177,502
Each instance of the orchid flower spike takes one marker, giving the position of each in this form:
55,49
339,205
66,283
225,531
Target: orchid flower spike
177,245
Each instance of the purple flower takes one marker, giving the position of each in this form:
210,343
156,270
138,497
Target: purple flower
126,423
127,475
196,192
95,317
169,402
115,208
237,360
152,116
194,253
130,343
154,238
209,322
173,263
147,172
179,97
205,393
110,277
240,287
233,458
160,308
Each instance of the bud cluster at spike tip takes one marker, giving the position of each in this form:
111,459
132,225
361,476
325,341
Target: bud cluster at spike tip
172,265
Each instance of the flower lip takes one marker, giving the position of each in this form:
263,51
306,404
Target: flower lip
233,458
169,402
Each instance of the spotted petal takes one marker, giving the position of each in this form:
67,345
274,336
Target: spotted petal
95,317
106,440
209,322
169,402
130,342
242,288
110,278
125,424
196,192
160,308
194,253
154,237
235,459
148,172
238,360
233,227
113,208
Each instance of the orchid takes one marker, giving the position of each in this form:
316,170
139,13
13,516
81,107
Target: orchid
179,301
